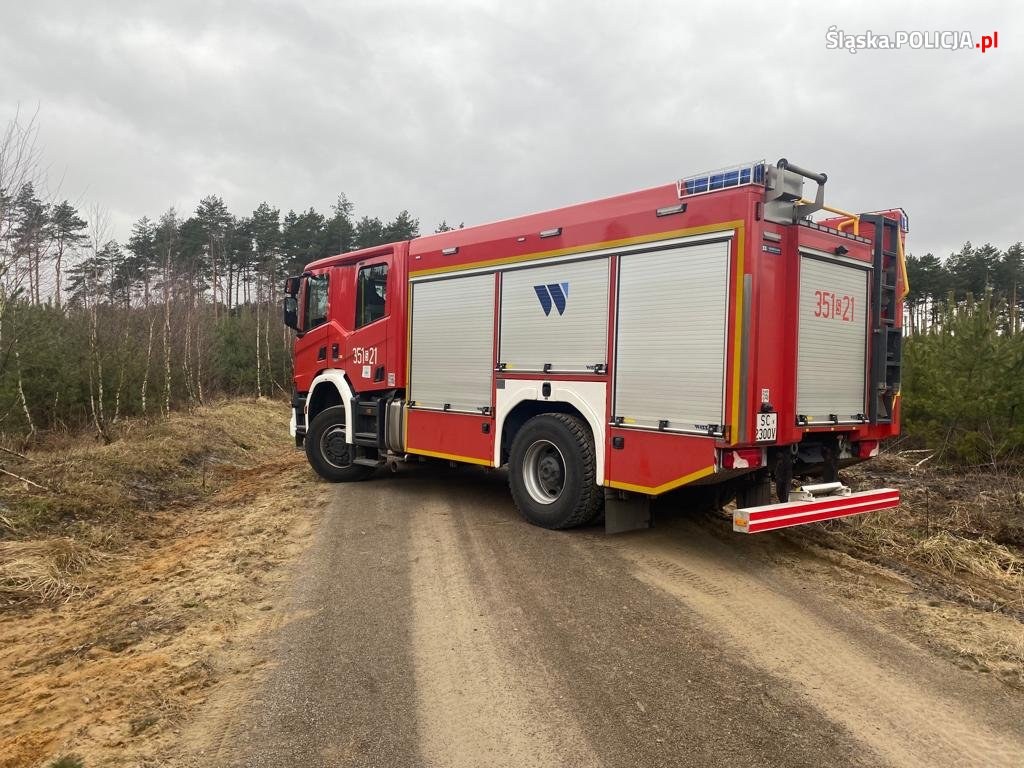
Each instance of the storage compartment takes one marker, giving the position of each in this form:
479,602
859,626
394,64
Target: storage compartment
555,317
452,343
831,367
671,338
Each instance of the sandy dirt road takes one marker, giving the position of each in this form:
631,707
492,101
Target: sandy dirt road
427,625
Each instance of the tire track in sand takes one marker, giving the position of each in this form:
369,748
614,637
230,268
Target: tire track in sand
474,706
877,698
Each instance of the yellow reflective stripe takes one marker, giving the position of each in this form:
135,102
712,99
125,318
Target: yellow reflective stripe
722,227
655,490
737,347
450,456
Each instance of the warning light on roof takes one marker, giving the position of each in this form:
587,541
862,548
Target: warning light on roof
711,181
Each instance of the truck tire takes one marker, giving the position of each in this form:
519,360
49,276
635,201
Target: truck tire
552,472
756,492
328,453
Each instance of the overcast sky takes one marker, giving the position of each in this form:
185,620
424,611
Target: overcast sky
473,111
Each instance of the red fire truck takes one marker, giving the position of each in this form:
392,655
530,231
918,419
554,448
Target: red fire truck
709,334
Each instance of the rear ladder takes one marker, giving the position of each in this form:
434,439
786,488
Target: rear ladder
887,337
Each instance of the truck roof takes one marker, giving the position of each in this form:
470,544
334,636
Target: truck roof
532,223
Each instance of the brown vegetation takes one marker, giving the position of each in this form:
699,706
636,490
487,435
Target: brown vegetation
959,531
127,586
957,541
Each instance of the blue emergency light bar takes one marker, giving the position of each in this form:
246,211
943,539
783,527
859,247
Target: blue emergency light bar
748,173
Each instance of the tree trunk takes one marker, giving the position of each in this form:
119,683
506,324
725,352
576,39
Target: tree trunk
120,372
259,356
213,286
39,295
96,376
167,360
266,347
199,355
21,386
57,265
231,284
186,361
149,357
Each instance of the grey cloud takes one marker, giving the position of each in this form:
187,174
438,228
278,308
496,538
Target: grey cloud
481,110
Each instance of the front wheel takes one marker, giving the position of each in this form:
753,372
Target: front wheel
328,453
552,472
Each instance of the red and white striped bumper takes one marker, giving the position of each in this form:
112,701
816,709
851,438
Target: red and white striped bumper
773,516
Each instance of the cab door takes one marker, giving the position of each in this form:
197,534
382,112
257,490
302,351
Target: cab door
367,361
312,343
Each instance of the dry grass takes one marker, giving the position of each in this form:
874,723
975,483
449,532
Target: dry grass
958,532
95,498
44,569
127,582
957,539
945,553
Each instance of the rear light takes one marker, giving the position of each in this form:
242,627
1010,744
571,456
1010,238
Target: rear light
866,449
744,458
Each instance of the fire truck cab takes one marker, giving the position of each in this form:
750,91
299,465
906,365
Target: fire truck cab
707,334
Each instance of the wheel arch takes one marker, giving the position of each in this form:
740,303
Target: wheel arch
330,388
521,400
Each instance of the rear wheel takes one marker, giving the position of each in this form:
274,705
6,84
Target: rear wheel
756,492
328,452
552,472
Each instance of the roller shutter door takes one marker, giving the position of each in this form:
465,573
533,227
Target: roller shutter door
671,339
555,316
831,369
452,343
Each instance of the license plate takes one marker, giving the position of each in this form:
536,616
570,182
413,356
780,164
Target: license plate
767,427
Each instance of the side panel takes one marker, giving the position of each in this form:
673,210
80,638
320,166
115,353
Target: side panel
447,435
452,343
671,337
831,365
657,462
555,316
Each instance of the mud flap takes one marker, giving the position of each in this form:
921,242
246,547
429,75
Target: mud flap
626,511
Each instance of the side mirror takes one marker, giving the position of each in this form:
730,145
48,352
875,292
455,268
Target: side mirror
291,312
291,286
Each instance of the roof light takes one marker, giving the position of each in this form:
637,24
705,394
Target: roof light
668,210
551,232
747,173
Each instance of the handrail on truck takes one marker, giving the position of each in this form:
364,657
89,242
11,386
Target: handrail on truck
854,218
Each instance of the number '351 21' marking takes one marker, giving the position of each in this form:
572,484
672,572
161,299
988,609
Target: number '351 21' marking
364,355
834,306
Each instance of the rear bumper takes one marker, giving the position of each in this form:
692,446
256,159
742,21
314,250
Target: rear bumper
774,516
